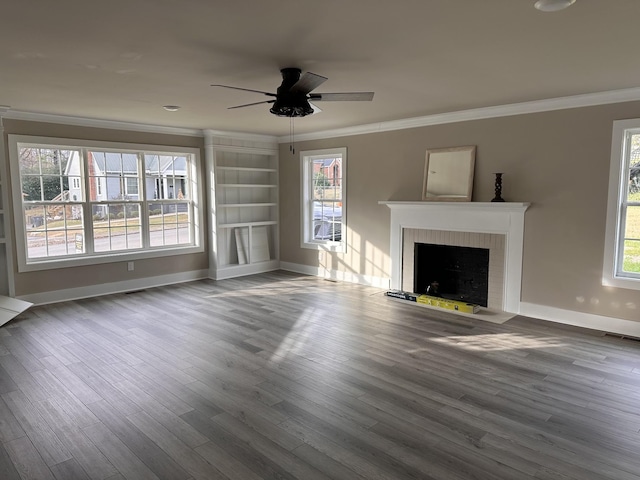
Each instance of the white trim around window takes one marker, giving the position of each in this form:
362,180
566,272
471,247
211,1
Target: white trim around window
619,203
323,211
179,221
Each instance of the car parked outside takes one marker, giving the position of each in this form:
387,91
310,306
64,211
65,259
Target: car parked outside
327,221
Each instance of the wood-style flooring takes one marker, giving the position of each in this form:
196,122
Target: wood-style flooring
282,376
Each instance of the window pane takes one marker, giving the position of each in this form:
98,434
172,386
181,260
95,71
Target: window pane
327,221
44,172
31,188
114,168
166,177
632,223
101,238
116,226
172,227
631,256
53,230
34,218
327,178
52,188
634,181
36,235
75,189
96,188
75,241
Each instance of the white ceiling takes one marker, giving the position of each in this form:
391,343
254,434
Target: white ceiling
123,59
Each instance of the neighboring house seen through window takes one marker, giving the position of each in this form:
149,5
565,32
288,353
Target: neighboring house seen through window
82,200
622,245
323,199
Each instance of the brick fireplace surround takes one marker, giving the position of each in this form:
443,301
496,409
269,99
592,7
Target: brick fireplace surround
496,226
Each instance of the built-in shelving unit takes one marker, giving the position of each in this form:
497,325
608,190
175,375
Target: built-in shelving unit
246,210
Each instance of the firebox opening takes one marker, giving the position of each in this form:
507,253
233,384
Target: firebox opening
451,272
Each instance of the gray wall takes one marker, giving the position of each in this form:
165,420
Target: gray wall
558,161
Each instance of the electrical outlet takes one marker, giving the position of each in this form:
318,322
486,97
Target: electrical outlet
130,266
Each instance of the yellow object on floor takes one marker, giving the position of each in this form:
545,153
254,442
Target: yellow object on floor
448,304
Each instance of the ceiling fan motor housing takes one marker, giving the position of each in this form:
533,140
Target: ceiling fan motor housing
291,103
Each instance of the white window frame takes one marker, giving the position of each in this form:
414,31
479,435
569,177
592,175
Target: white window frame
612,274
306,200
44,263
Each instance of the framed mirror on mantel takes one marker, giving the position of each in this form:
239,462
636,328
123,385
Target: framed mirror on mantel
448,174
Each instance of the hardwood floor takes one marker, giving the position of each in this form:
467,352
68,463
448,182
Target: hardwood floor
281,376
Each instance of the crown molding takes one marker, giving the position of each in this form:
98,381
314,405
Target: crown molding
97,123
216,136
221,137
537,106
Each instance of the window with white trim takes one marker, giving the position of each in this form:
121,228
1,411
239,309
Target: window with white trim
323,202
79,202
622,243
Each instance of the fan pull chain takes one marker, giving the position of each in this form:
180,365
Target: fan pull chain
292,147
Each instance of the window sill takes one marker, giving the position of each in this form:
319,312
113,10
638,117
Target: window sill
58,263
339,247
621,282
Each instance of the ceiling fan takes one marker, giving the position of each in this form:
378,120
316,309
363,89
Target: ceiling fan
294,97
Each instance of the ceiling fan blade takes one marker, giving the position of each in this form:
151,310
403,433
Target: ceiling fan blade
308,81
342,97
250,104
245,89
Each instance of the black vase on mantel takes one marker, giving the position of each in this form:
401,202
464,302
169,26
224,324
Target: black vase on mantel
498,197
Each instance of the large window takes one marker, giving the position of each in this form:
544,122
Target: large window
323,199
622,248
80,202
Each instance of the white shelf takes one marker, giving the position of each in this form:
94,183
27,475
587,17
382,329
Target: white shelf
248,169
246,205
246,185
248,224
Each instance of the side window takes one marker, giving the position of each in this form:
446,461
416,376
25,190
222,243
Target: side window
324,199
622,243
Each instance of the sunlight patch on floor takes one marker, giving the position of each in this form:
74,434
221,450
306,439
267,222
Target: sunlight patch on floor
499,341
277,288
297,338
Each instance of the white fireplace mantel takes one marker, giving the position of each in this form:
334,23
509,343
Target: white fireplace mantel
506,218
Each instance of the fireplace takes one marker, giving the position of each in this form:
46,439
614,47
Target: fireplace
498,227
493,244
451,272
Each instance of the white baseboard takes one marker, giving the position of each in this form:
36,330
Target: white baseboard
542,312
234,271
581,319
380,282
56,296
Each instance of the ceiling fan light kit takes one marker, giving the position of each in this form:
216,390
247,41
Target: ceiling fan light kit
290,101
553,5
294,94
